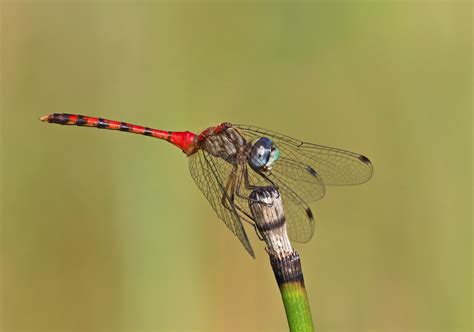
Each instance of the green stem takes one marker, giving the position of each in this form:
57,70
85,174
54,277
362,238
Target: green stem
297,308
267,210
289,276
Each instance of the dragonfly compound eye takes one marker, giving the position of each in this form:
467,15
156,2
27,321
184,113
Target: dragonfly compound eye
263,154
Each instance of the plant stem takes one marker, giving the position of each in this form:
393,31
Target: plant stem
267,210
289,276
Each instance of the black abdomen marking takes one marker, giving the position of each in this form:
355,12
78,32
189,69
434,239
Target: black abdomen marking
124,126
101,124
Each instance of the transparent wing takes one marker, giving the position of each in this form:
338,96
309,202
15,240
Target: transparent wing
304,180
335,166
211,175
300,220
299,217
302,172
211,179
297,186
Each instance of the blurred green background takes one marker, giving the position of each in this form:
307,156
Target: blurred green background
107,231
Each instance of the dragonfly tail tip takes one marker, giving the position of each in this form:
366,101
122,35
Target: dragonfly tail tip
44,118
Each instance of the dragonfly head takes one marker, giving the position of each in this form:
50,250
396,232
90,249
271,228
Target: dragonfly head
263,155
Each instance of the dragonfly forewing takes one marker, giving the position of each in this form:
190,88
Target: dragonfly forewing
211,179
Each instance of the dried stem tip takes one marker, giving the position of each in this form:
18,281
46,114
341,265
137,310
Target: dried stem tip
267,209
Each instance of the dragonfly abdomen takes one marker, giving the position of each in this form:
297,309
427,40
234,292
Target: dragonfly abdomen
101,123
183,140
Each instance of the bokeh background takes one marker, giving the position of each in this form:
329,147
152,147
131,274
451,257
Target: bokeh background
103,231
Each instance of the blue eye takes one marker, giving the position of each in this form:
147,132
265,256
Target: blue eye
263,154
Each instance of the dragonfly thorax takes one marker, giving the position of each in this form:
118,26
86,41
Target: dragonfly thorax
224,142
263,154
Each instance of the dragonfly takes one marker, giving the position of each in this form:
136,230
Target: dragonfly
228,161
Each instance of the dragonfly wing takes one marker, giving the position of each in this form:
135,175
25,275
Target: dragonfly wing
295,174
300,220
302,172
211,180
336,167
297,187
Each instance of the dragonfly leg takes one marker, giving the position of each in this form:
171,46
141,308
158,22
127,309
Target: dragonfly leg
239,182
244,176
232,188
249,220
228,197
235,190
259,234
269,180
251,187
248,186
247,180
229,185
